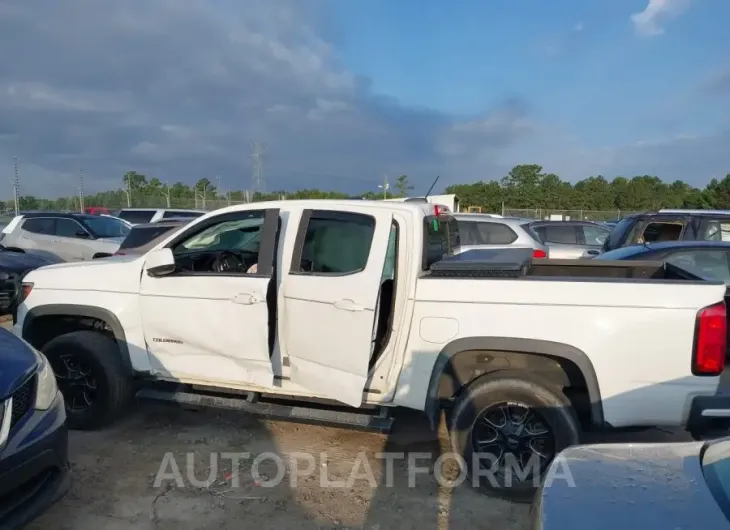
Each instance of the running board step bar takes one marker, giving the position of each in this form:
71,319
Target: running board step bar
381,423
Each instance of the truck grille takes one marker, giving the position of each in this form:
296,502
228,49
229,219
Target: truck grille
22,401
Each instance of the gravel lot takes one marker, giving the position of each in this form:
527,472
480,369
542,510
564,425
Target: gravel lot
115,470
114,475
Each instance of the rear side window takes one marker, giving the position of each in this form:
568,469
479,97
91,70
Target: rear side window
485,233
336,243
172,214
44,225
560,234
139,237
137,216
440,236
656,232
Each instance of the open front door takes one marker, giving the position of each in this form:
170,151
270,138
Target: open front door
330,297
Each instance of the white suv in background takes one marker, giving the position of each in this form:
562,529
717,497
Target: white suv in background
137,216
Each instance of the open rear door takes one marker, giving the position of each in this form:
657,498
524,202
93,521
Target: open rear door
330,297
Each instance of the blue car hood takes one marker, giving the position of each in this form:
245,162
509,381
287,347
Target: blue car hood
17,362
628,487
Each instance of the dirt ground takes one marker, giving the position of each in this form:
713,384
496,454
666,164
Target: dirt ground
115,472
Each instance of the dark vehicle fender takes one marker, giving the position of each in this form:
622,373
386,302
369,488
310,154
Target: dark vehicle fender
72,310
465,359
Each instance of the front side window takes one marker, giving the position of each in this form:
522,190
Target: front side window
336,243
559,234
594,235
714,230
106,227
495,234
229,246
68,228
705,263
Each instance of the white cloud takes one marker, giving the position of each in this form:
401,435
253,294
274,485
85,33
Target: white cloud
647,22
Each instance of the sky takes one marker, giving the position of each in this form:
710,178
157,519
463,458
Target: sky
345,93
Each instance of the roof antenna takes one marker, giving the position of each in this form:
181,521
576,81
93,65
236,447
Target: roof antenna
431,188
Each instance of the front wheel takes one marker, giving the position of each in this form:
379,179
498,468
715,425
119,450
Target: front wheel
508,429
90,376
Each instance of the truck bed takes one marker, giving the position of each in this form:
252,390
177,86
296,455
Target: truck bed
517,263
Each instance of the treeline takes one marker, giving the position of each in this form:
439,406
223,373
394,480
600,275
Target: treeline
525,186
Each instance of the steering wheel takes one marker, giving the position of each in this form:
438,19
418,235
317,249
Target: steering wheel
227,261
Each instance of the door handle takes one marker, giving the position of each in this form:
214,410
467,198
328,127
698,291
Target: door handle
347,305
593,252
246,299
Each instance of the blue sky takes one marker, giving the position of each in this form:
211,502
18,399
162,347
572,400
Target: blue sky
344,92
579,63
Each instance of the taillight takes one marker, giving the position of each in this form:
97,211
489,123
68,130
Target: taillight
437,210
539,253
710,347
25,289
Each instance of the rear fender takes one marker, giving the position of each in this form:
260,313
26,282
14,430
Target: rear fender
462,361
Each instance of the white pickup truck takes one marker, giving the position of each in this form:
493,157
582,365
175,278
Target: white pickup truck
338,311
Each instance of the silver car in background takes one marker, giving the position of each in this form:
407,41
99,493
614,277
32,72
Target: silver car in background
570,239
72,237
479,231
548,239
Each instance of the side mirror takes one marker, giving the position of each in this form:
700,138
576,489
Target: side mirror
160,262
82,234
4,276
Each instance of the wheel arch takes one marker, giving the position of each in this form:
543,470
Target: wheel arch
466,359
34,318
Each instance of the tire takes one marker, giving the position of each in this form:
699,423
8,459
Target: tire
99,356
487,394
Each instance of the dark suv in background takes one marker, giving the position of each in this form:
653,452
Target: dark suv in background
669,225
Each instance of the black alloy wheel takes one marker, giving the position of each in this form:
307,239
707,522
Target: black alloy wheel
76,381
513,434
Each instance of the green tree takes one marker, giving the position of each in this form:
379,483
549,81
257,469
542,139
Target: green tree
402,186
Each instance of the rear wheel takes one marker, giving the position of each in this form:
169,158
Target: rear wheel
90,376
508,429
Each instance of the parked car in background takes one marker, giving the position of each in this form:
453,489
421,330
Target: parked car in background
570,239
707,259
96,210
14,265
682,486
670,225
551,239
33,436
137,216
478,231
143,237
72,237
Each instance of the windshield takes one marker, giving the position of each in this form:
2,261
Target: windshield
106,227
